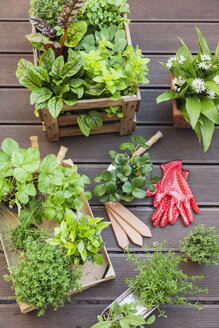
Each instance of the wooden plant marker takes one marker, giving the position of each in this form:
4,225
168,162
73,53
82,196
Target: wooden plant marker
122,218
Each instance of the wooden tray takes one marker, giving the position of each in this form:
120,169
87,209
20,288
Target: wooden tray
92,274
65,126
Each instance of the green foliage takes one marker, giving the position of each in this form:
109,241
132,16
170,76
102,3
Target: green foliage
61,187
90,121
51,81
126,180
201,245
196,88
114,110
103,13
80,236
48,10
17,170
75,33
20,234
43,265
160,281
58,187
122,316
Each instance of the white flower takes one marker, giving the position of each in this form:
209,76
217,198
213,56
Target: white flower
170,61
211,94
177,88
198,85
181,59
205,57
179,81
216,79
204,65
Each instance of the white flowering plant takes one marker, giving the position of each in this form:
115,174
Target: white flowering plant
196,87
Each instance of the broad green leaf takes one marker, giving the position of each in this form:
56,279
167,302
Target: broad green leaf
193,108
124,324
61,89
75,33
57,66
184,51
139,193
98,259
127,187
167,95
9,146
209,109
22,66
128,198
151,187
85,129
151,320
213,86
59,197
41,73
95,90
102,324
207,130
94,120
113,153
30,80
17,159
55,106
70,68
127,170
127,145
99,190
49,163
75,83
22,197
46,59
71,54
138,139
138,182
106,175
111,188
49,213
87,195
203,44
134,319
37,40
30,189
20,174
40,95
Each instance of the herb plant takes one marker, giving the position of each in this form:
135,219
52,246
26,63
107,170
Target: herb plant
122,316
45,277
103,13
160,281
80,236
196,87
48,10
128,176
201,245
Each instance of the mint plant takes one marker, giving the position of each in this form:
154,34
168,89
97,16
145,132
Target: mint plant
201,245
120,316
159,279
128,176
79,234
196,88
44,265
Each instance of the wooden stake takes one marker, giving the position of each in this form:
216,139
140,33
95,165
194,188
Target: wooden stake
149,143
61,154
35,143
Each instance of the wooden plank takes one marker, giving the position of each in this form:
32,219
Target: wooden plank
85,315
141,10
177,143
110,290
14,101
157,38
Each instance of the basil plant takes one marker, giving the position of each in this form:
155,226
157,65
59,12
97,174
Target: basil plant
196,87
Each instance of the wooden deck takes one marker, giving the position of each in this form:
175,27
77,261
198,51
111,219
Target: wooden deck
155,24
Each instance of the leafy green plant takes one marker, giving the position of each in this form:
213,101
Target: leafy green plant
122,316
103,13
196,87
61,188
22,175
79,234
115,67
114,110
91,121
53,82
48,10
160,281
201,245
17,168
44,277
128,176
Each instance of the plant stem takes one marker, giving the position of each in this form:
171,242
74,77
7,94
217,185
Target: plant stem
63,41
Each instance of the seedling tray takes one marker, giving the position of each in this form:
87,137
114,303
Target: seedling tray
92,273
66,125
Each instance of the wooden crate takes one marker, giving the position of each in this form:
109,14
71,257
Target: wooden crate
92,273
65,126
178,119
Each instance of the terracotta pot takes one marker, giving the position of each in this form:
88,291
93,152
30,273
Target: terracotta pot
178,119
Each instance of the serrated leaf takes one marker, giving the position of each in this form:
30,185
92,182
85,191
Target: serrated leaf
17,159
22,197
20,174
30,189
49,163
40,95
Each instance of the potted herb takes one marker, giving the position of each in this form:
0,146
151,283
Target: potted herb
201,245
38,279
122,315
80,237
127,176
83,70
195,89
160,281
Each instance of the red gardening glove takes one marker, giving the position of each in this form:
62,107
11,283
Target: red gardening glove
173,196
166,208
